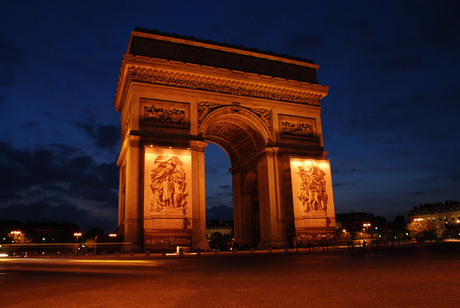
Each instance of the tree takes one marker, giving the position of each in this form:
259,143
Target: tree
94,232
451,230
421,229
399,227
19,238
220,241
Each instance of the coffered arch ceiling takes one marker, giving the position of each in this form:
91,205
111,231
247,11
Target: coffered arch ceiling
235,134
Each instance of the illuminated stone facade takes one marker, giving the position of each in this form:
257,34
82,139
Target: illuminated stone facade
438,214
175,96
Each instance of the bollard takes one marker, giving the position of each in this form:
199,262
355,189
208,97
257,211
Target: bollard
181,252
269,249
163,253
286,249
252,250
198,252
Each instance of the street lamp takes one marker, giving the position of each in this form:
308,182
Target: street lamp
76,234
367,225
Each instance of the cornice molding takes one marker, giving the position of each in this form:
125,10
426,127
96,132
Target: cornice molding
187,80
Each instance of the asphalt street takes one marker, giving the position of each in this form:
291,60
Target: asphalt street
415,276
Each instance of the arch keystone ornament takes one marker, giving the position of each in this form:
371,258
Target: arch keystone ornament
175,96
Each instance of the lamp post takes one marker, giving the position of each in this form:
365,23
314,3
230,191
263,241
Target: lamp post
76,234
367,225
15,235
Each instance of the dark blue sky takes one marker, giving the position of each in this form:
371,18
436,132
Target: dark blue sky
390,121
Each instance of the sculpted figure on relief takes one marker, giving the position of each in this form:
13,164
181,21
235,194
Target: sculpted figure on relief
297,129
168,184
313,193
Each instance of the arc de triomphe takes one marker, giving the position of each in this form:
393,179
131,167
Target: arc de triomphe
176,95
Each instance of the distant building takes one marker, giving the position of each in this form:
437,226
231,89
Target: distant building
358,223
438,213
224,227
345,220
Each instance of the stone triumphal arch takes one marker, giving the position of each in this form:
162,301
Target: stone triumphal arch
175,96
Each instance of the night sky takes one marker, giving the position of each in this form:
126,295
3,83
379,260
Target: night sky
390,121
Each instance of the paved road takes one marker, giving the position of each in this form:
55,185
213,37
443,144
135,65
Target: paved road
418,276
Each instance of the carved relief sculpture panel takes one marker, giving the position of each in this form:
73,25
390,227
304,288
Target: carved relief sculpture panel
167,197
168,184
163,113
297,127
312,193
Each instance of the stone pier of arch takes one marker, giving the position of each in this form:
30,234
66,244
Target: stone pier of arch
175,96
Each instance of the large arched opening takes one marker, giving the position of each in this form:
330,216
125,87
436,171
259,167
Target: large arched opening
243,136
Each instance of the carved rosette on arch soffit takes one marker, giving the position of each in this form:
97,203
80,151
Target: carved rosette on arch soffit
176,95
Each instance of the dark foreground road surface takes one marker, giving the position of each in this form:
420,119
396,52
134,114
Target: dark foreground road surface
416,276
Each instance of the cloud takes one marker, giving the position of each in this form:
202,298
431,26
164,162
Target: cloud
303,43
404,62
65,150
56,211
104,136
30,124
43,211
48,172
339,184
337,170
437,179
107,136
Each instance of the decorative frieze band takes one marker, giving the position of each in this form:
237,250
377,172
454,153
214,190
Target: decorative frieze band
204,108
219,85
